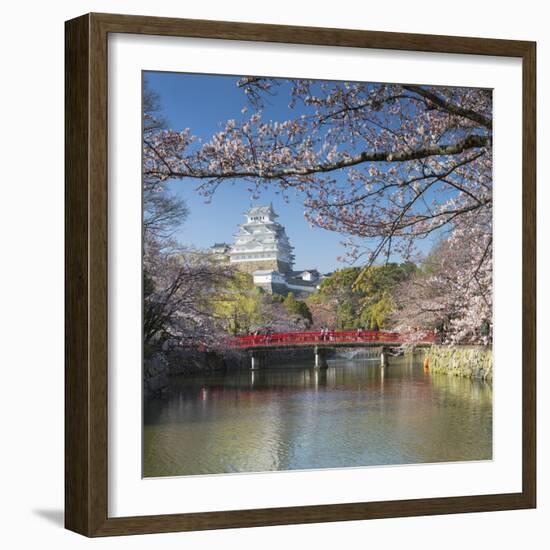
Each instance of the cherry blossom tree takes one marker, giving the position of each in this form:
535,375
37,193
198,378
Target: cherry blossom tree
178,289
178,282
452,294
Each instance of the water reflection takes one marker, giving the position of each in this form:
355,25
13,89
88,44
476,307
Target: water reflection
352,414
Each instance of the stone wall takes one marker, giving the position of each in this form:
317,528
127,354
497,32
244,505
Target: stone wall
257,265
158,368
274,288
155,373
467,361
188,361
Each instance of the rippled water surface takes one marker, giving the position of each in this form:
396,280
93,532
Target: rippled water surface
297,417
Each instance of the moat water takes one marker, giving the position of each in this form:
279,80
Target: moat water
296,417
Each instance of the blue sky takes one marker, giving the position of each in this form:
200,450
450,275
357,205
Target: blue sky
203,103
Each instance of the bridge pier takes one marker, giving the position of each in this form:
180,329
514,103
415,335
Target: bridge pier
320,358
257,359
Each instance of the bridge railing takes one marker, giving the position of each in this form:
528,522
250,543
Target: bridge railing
304,338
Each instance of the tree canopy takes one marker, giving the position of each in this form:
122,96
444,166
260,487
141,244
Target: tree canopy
360,298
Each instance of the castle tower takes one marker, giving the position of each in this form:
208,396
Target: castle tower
261,243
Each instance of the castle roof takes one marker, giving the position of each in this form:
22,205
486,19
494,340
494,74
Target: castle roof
263,210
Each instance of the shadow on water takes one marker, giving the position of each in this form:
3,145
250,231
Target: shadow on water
353,413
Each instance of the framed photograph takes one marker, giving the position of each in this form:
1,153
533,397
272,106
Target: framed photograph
300,275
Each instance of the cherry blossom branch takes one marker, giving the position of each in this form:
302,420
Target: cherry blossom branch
451,107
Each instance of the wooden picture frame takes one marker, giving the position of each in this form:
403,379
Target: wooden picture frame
86,359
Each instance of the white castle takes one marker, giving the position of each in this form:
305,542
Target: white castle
262,249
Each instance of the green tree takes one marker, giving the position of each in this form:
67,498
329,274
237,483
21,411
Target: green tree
347,316
238,307
352,297
377,279
377,315
297,308
340,285
377,284
336,303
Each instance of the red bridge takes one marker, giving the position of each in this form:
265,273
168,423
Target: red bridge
329,338
321,342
